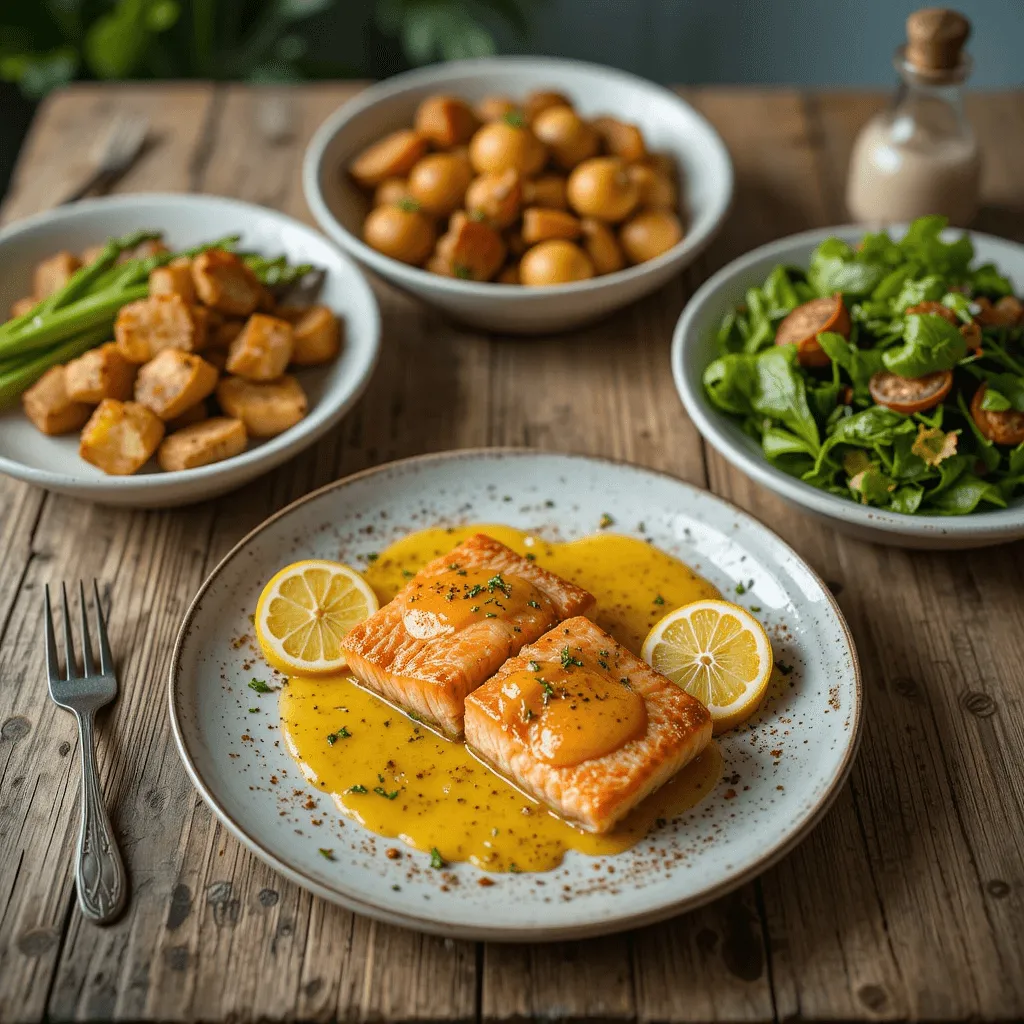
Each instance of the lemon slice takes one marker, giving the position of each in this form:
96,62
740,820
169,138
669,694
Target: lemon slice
717,652
305,611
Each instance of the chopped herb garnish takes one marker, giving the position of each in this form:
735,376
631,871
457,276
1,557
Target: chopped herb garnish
624,680
605,521
381,791
252,711
602,662
326,854
604,654
408,573
497,582
357,789
549,690
490,615
783,667
516,118
658,599
436,860
533,604
533,666
414,716
527,713
460,270
341,734
740,588
530,556
568,660
513,868
478,215
475,608
408,204
755,607
372,556
477,588
259,686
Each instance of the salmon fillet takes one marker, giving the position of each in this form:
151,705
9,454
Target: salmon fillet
454,624
581,672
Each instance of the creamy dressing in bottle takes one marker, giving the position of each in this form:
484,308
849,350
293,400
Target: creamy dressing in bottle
920,156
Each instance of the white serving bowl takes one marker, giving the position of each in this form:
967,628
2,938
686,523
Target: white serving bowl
186,220
669,125
693,347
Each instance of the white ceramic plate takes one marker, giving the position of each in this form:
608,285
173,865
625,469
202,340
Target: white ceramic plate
669,125
187,220
693,347
779,776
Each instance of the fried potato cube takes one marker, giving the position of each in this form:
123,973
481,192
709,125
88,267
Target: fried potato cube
147,326
224,282
174,279
263,348
266,408
211,441
23,306
101,373
190,417
48,405
54,273
120,437
470,249
317,333
172,381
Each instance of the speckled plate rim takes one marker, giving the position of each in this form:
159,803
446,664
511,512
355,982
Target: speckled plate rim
434,924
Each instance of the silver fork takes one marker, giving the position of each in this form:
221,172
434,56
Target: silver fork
120,149
99,871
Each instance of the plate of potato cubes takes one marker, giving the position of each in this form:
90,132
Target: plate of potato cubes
162,349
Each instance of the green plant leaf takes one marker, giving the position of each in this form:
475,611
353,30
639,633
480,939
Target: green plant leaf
36,74
781,393
930,344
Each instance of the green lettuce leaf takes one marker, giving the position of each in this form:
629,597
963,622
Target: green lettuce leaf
930,344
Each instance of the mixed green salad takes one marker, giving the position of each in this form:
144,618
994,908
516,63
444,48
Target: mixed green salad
890,373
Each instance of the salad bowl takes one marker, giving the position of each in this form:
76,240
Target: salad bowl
695,347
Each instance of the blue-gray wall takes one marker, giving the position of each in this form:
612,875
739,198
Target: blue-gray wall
804,42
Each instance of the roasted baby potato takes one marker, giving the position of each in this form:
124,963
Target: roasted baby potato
391,192
49,406
147,326
494,108
173,381
224,282
620,138
402,232
263,348
555,262
495,198
267,408
120,437
470,249
439,181
649,234
54,273
540,224
546,190
505,145
602,246
390,157
100,373
173,279
544,99
602,188
317,335
446,121
657,190
569,138
213,440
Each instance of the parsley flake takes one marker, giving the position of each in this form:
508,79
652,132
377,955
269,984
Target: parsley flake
533,666
568,660
259,686
436,860
605,521
252,711
498,582
381,791
357,789
326,854
658,599
341,734
533,604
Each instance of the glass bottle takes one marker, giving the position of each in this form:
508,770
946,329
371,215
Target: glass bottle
920,156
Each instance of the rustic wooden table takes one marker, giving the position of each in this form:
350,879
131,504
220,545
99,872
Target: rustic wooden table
906,902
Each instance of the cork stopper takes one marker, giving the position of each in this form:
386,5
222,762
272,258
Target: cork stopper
935,39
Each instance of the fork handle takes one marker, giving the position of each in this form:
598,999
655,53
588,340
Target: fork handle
99,870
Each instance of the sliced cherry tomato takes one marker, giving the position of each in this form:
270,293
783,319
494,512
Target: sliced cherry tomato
910,394
972,335
1000,427
935,309
806,322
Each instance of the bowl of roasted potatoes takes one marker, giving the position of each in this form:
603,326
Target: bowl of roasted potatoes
157,350
520,195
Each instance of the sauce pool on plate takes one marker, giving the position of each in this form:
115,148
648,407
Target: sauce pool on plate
399,779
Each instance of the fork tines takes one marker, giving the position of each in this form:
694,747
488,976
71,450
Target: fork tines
88,664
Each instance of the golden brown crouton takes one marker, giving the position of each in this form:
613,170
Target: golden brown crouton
101,373
23,306
48,405
266,408
263,349
174,279
223,281
317,337
199,445
54,273
120,437
148,326
190,417
172,381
